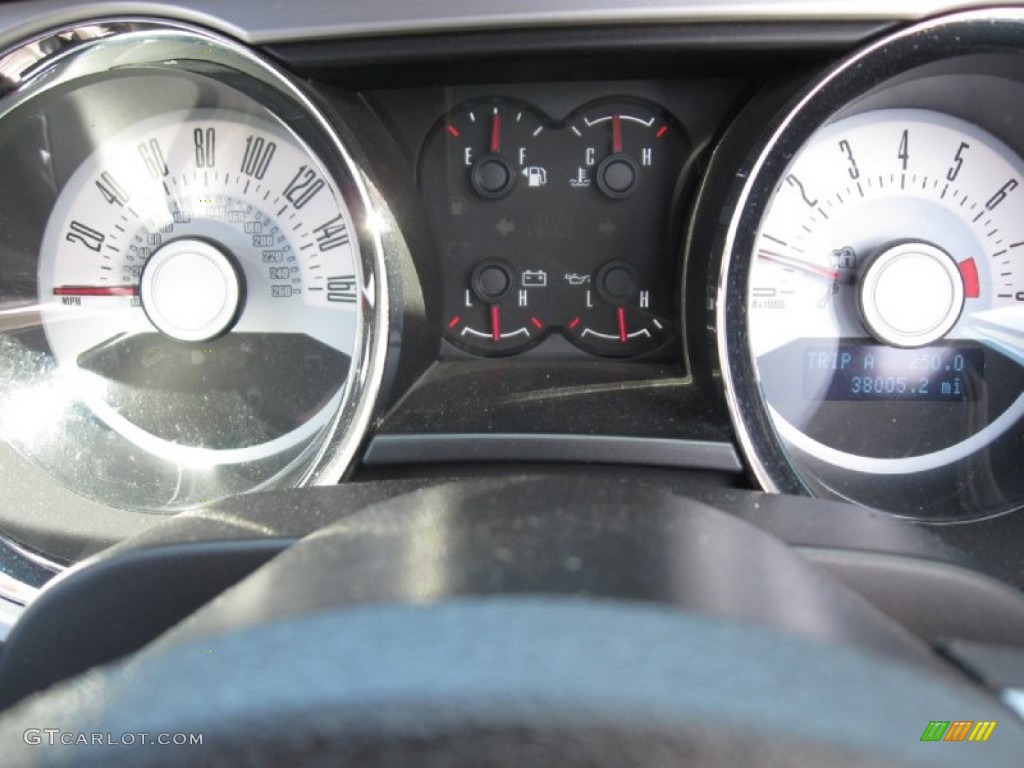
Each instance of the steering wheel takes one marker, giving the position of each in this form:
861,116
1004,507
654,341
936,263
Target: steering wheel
525,622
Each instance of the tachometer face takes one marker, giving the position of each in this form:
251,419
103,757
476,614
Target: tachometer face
172,233
886,300
192,288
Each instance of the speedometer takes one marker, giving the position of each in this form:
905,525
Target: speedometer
172,234
194,291
871,312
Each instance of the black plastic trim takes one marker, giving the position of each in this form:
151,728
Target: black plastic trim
587,449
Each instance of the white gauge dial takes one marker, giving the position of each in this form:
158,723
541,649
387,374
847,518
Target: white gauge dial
888,277
179,256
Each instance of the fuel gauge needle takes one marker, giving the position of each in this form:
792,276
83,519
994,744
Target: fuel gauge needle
496,132
96,290
806,266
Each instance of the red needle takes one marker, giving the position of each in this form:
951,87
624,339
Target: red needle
495,323
96,290
496,133
806,266
616,134
622,325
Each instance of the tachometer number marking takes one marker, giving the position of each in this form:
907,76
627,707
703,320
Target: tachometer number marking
793,181
332,234
206,147
958,161
258,154
999,196
303,187
87,236
904,151
847,150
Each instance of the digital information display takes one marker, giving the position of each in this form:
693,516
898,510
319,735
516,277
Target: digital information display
875,372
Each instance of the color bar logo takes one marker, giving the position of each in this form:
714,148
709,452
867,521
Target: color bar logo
958,730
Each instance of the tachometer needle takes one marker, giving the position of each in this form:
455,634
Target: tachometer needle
806,266
496,132
96,290
616,133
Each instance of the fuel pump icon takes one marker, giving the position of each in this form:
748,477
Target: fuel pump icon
535,176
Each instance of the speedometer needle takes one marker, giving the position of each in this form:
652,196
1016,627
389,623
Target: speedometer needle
806,266
96,290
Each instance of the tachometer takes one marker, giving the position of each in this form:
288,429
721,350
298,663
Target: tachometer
871,312
885,301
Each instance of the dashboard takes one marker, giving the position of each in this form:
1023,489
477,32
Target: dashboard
761,256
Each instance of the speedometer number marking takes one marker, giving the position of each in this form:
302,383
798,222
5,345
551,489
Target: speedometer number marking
332,234
257,157
153,157
341,289
112,192
86,235
303,187
206,147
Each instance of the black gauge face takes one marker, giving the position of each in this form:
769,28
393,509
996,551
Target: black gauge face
555,229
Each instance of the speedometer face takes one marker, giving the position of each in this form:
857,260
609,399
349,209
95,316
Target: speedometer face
180,229
191,291
886,299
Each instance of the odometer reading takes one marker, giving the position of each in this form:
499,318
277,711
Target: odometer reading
872,372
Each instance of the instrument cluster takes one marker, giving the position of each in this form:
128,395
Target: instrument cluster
217,279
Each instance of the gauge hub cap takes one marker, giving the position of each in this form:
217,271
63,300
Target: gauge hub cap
911,295
190,290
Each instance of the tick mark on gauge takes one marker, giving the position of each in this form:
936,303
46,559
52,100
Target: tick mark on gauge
283,209
167,190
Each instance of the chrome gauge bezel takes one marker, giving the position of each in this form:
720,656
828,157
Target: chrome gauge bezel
951,45
66,57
